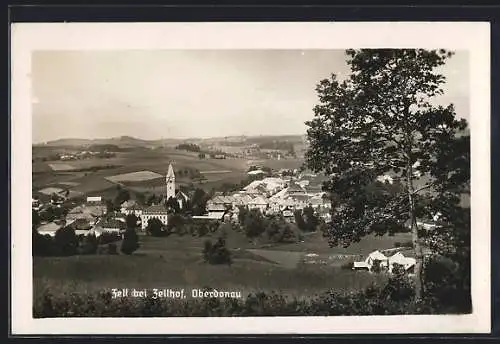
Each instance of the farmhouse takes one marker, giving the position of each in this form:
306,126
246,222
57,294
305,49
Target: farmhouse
89,212
154,212
374,257
111,226
408,263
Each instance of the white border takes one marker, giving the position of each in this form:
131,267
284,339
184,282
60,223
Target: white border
474,37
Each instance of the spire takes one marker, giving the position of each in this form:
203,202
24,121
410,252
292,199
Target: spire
170,172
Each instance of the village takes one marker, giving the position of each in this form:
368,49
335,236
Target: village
282,192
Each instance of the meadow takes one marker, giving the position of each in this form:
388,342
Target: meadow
176,262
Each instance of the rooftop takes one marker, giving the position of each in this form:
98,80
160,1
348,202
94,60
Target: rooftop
155,209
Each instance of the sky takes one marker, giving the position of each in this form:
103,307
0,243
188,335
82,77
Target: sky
191,93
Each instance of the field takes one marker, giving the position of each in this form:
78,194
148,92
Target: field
134,177
176,262
141,169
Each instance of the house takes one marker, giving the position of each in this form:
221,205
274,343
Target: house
360,266
49,229
90,212
155,211
81,226
216,209
256,172
259,203
94,199
131,207
377,256
408,263
182,198
110,226
289,215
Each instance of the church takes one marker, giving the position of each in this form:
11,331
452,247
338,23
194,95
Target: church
160,211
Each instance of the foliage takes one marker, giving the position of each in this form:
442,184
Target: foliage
43,245
131,221
89,244
35,219
130,241
122,196
390,299
299,220
216,253
190,147
347,265
254,223
175,223
279,231
156,228
108,237
381,121
199,202
173,204
65,241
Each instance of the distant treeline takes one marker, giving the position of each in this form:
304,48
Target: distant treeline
190,147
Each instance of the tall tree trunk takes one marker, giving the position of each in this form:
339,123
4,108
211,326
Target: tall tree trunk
414,232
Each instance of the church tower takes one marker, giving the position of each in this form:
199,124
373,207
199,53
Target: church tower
170,180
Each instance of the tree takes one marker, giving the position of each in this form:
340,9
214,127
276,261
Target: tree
381,120
89,244
299,220
173,204
311,220
131,221
199,201
35,219
155,227
66,241
216,253
130,241
43,245
254,223
140,198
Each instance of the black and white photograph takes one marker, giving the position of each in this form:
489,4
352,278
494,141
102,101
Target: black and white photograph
238,173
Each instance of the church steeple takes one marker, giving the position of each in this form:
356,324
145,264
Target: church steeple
170,180
170,172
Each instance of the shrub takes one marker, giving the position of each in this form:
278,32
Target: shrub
397,244
89,244
108,237
347,265
112,248
216,253
156,228
130,241
391,299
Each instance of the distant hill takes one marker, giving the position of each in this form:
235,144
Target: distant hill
129,142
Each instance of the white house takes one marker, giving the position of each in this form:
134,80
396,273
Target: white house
155,211
377,256
360,266
408,263
94,199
